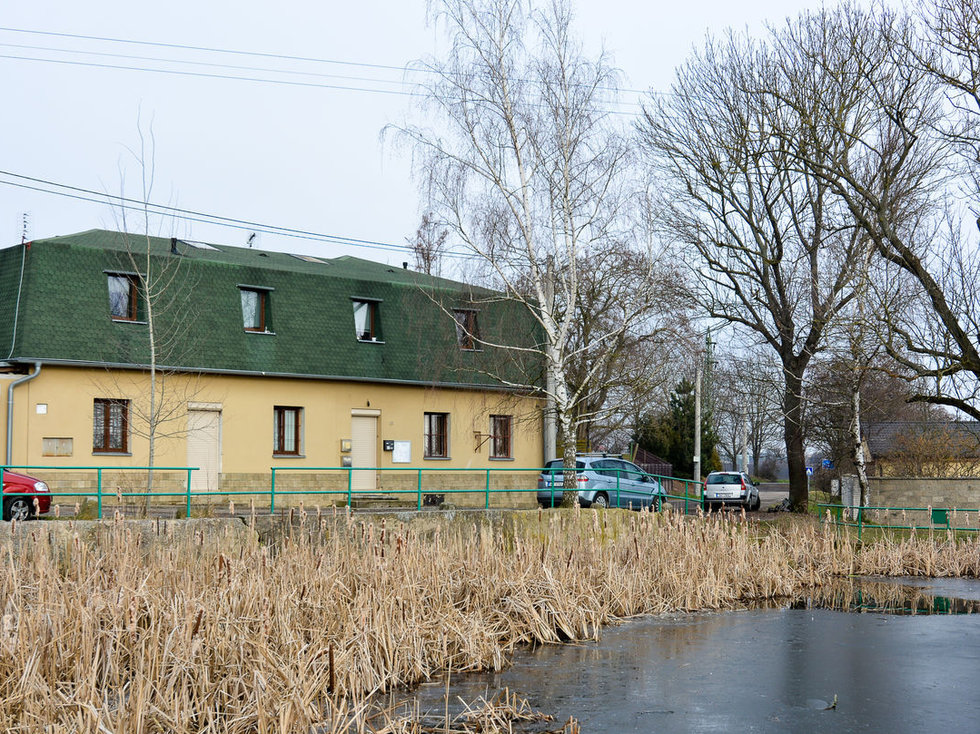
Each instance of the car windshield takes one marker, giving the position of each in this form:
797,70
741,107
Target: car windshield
724,479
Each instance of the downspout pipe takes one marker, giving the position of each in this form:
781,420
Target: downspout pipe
10,409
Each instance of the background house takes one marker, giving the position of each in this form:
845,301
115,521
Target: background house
263,359
923,448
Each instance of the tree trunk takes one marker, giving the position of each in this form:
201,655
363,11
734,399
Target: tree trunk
570,485
859,465
793,435
152,423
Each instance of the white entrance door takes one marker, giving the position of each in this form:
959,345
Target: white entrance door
204,448
364,451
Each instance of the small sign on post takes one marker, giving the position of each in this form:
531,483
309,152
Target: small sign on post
809,471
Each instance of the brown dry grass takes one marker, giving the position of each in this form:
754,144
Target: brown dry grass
180,637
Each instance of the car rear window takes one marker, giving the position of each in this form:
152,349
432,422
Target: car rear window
724,479
579,466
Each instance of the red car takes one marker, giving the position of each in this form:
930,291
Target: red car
21,506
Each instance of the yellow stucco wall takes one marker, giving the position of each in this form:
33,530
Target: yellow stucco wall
59,404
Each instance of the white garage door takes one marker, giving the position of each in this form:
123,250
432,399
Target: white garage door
364,451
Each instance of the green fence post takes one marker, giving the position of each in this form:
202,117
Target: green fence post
420,490
350,472
272,493
860,521
487,505
98,490
686,492
188,515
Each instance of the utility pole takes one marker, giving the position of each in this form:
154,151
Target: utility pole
697,422
745,442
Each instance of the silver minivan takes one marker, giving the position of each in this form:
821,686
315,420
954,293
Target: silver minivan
603,481
730,488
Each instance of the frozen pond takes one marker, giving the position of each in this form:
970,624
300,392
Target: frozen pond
909,661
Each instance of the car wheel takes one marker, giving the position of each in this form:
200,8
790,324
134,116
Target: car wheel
17,508
600,501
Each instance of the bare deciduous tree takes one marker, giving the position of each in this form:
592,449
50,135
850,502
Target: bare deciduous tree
746,386
429,245
773,249
532,176
163,289
881,110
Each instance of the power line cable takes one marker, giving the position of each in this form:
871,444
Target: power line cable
207,75
207,49
261,80
204,63
190,215
259,54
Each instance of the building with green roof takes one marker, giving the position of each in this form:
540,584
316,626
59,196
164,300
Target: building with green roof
237,360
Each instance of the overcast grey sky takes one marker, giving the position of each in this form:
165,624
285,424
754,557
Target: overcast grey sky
301,155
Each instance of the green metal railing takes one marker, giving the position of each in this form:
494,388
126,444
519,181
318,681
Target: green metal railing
410,482
99,494
936,518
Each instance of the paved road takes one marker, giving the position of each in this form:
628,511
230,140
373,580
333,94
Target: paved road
772,494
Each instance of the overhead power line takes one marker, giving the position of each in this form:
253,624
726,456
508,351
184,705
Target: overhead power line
190,215
209,75
187,62
258,54
207,49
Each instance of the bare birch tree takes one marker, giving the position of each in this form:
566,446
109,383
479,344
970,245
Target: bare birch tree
532,176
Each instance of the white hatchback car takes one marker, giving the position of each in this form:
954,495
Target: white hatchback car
730,488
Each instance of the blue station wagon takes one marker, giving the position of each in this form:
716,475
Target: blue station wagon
603,481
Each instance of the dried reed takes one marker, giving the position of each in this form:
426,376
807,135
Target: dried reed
180,636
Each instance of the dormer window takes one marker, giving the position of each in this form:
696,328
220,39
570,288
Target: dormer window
123,297
467,331
367,325
255,309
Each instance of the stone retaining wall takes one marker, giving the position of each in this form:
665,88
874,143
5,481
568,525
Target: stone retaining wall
917,492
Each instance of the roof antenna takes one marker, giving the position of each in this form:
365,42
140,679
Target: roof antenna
25,226
251,238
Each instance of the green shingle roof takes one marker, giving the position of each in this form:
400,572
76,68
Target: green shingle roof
62,314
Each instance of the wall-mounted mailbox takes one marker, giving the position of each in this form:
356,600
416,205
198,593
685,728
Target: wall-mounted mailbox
345,445
346,461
